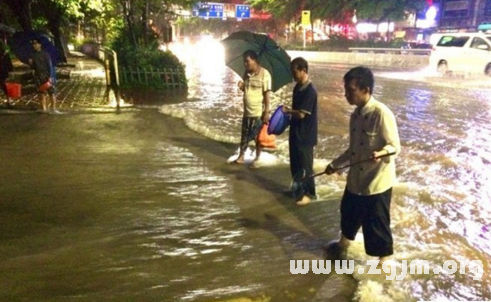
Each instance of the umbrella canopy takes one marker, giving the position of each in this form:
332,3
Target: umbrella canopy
22,48
271,56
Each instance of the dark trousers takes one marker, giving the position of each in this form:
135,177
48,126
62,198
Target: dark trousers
372,213
301,165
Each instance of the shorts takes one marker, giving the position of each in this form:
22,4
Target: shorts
372,213
248,124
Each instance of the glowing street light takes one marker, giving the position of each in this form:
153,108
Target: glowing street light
431,13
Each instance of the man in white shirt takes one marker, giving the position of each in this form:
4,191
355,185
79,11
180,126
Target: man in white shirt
367,197
256,86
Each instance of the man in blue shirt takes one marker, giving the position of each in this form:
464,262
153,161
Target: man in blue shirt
44,74
303,131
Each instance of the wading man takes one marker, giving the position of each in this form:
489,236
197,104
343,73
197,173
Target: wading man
303,131
367,196
256,86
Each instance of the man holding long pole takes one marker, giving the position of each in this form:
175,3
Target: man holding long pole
367,197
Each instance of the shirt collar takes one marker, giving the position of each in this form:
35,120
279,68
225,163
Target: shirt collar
258,71
367,105
304,85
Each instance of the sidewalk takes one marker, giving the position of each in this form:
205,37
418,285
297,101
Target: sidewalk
81,84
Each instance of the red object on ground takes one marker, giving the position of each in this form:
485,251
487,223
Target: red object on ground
14,90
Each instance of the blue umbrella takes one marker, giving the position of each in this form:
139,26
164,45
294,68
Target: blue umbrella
22,48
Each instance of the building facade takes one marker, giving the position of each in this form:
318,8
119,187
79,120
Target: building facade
464,15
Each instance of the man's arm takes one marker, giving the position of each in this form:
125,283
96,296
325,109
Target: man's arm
240,85
267,87
307,106
390,134
298,114
265,116
338,162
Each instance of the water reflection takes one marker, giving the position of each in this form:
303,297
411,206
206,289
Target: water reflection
440,207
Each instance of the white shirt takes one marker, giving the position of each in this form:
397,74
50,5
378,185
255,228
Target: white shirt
372,128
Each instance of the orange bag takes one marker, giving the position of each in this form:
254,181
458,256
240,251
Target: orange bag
266,140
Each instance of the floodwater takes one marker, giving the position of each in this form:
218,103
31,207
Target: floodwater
141,205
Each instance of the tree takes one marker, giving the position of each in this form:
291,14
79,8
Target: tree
139,14
21,9
389,10
333,10
283,10
100,18
54,11
379,10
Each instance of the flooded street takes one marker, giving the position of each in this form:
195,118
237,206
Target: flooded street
133,206
141,205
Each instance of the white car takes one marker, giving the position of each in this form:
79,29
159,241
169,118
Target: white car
462,52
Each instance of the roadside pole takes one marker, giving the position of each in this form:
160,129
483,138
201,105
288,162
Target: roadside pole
305,23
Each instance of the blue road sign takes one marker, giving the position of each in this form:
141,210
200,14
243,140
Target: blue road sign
208,10
242,11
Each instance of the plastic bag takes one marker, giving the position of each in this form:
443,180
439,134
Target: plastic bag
266,140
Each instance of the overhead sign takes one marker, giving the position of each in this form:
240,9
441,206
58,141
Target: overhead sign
305,17
456,5
242,11
208,10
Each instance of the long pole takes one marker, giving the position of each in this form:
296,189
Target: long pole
351,165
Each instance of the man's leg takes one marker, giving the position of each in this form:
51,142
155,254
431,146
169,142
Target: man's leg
52,98
259,149
256,124
243,137
306,161
44,102
376,227
294,162
308,166
351,220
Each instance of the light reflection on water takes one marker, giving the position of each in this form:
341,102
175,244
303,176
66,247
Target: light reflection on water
441,205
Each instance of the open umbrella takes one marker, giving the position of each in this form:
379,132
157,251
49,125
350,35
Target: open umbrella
271,56
22,48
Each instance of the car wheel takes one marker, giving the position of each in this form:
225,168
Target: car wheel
442,68
487,71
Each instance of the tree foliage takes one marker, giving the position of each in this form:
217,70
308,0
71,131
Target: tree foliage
337,10
283,10
379,10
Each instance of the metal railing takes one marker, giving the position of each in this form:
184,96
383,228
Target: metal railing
396,51
166,77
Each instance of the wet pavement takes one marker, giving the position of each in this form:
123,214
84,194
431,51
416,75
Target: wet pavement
81,84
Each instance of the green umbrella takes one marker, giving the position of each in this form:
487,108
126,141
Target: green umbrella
271,56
